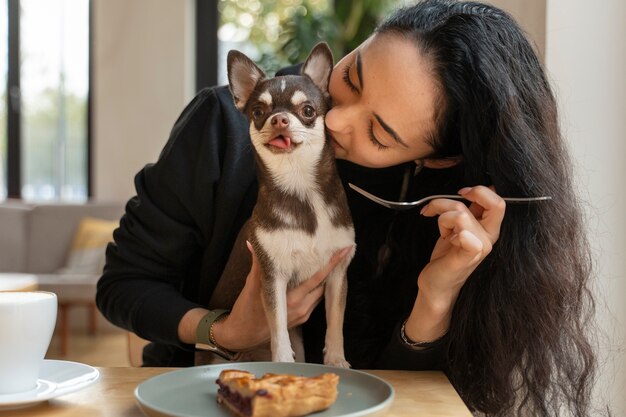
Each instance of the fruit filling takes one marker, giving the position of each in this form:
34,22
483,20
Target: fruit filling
243,404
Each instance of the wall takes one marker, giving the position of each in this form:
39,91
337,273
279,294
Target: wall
586,59
531,16
143,77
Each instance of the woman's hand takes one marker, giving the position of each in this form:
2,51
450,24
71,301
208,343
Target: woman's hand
246,326
467,237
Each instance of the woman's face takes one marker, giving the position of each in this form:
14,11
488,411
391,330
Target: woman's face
384,103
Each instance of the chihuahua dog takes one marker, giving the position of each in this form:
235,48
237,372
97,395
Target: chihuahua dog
301,216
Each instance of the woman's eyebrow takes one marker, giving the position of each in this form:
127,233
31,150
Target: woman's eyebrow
391,132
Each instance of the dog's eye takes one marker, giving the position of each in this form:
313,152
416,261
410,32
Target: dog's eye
308,111
257,112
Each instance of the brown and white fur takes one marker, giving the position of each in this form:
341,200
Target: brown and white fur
301,215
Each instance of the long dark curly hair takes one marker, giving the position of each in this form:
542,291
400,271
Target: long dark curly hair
518,337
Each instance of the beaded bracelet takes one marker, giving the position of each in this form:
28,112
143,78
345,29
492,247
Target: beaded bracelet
421,345
205,337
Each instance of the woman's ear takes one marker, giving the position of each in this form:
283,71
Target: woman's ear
441,163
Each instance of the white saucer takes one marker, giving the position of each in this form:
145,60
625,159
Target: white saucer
56,378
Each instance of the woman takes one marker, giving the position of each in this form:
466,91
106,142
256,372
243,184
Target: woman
444,97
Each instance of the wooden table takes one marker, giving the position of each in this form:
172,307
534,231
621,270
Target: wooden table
417,394
18,282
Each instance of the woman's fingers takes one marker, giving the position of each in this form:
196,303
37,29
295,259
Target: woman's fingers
453,221
470,246
467,237
456,228
493,208
487,209
247,319
320,276
302,300
302,310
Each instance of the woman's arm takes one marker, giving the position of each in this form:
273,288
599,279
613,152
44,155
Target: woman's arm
164,229
466,238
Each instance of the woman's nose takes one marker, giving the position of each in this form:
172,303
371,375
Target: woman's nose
340,119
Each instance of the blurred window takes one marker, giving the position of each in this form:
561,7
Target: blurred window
54,77
53,99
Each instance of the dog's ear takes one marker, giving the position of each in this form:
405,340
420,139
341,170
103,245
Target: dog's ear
319,65
243,76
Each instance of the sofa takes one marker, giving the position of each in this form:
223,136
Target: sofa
35,239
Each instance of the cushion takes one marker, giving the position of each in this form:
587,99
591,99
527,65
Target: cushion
86,254
51,229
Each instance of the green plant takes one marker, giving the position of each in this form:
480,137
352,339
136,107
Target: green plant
284,31
343,27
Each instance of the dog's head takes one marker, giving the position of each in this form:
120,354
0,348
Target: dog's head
286,111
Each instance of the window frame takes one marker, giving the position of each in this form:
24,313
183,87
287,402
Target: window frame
14,156
207,18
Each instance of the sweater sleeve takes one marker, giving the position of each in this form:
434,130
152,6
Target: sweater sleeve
164,228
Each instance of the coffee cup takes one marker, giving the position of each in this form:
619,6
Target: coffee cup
27,321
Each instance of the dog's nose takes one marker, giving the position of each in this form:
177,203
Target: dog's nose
280,121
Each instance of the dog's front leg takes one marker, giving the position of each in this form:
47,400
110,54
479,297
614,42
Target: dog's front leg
275,304
335,294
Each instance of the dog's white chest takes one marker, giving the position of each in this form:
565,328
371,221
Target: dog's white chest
296,254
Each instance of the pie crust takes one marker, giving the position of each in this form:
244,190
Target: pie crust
275,395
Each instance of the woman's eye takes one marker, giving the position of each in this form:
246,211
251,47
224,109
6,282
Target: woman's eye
373,139
346,79
308,111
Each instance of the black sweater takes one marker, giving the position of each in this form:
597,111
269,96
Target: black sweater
177,232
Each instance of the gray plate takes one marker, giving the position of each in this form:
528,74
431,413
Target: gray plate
192,392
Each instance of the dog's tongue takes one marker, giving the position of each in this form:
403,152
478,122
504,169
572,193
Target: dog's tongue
280,141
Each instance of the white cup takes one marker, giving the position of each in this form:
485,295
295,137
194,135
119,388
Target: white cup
27,322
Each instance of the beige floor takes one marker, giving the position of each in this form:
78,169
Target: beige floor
105,348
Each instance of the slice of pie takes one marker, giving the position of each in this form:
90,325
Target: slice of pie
275,395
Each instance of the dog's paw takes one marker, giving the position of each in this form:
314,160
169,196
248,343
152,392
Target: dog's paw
338,361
